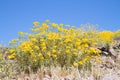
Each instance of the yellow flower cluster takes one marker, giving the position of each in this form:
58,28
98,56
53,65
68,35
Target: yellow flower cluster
117,35
26,46
12,54
106,36
59,44
36,23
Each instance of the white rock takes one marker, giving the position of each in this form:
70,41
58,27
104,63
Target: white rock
111,76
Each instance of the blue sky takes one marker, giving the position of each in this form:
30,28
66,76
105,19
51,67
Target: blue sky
18,15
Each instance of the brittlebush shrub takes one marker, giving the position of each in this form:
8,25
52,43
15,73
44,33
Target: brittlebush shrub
117,35
50,44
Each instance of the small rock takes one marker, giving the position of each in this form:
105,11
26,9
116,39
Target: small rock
46,77
111,76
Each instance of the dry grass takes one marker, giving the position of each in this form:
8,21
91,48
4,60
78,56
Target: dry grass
99,72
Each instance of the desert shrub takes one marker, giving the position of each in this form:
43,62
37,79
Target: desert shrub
50,44
6,66
117,35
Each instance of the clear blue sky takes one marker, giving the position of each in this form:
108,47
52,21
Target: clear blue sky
18,15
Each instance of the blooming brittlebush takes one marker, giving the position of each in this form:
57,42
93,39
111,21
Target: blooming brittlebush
106,36
58,44
36,23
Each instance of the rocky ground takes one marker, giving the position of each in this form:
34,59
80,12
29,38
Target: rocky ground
109,69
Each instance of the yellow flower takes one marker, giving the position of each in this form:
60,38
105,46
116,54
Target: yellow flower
30,36
42,39
106,36
65,31
67,51
54,55
31,52
79,47
77,44
67,40
67,47
34,40
38,29
43,44
75,64
37,47
45,26
53,51
92,50
20,33
71,31
99,61
26,46
80,62
14,41
40,56
11,50
0,56
85,59
12,56
54,47
44,48
75,53
54,25
36,23
48,53
85,45
34,60
60,29
84,40
74,50
47,21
